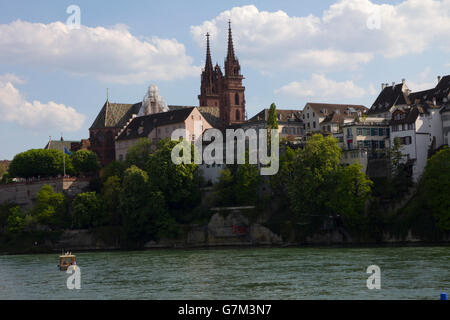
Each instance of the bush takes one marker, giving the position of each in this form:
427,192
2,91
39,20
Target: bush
88,211
51,208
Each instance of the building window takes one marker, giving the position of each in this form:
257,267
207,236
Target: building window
349,132
236,99
382,144
314,124
238,117
359,131
381,132
373,131
307,115
410,126
366,132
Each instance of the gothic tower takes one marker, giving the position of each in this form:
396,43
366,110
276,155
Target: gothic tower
210,88
232,104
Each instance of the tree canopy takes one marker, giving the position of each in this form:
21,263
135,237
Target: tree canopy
40,163
85,161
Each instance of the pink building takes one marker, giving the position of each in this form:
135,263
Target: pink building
160,126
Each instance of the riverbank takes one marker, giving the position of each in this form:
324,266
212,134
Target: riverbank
90,241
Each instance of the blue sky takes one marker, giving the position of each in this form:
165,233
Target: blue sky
54,80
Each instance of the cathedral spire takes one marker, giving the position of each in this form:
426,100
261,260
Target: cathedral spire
230,55
208,64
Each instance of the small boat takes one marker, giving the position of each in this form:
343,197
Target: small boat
66,260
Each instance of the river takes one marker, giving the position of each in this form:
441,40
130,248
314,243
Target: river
255,273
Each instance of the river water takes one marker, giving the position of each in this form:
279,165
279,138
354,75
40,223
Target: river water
257,273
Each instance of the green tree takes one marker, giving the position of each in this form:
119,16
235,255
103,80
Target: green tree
111,195
5,211
40,162
85,162
115,168
139,154
144,211
224,189
435,188
313,166
396,156
16,221
179,183
51,208
88,211
272,120
3,170
351,189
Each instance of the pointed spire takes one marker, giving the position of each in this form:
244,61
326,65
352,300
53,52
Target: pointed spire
208,64
230,55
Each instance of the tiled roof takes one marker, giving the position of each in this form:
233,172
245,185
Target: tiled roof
115,115
173,108
212,115
59,145
283,115
337,118
331,107
411,114
390,96
147,123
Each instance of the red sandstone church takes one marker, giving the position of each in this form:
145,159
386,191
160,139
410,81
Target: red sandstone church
224,92
221,104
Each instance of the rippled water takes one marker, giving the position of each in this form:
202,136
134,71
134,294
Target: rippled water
272,273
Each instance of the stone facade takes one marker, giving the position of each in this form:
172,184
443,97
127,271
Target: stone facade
24,193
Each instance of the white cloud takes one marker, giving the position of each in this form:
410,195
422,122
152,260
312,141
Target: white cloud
339,39
321,87
35,115
9,77
109,54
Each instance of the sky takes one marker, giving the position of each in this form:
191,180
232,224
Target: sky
54,75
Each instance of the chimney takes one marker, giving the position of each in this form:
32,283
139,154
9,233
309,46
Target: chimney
383,85
439,79
403,81
393,85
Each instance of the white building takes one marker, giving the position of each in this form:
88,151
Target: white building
419,129
445,116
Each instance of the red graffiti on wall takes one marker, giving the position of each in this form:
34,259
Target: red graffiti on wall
239,229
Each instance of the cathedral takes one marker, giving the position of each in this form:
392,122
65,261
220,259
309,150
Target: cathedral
224,92
221,105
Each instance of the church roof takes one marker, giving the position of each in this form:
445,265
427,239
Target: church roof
115,115
59,145
211,114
